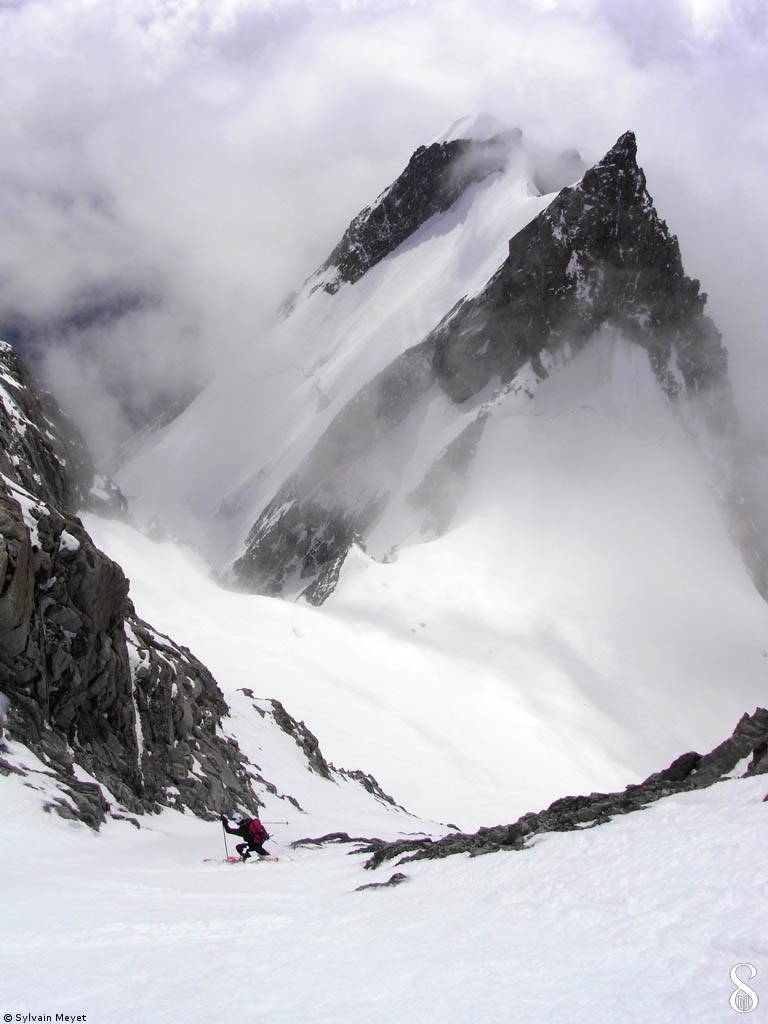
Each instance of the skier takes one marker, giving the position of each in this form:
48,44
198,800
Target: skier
252,831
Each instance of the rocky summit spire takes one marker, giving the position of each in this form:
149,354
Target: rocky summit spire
623,152
599,254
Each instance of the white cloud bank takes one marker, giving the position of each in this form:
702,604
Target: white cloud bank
195,160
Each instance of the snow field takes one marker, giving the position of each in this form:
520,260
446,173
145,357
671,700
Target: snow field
638,920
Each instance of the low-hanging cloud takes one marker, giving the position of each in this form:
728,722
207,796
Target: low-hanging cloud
171,171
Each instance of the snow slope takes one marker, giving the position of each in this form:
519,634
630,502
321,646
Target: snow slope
585,620
642,919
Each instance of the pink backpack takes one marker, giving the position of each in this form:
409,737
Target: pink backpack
257,831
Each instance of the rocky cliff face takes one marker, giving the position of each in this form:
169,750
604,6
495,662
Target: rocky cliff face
103,714
92,688
599,256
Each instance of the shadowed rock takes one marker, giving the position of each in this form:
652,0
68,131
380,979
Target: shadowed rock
599,254
89,683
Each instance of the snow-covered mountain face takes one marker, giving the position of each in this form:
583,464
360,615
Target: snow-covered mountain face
497,456
598,256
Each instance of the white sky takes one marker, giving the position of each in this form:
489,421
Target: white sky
210,154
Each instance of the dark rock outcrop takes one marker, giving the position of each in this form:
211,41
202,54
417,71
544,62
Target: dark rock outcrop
297,548
304,738
92,687
396,879
303,535
309,745
370,784
743,754
435,177
599,255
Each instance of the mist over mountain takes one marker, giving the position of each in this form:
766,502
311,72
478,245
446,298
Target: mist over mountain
210,226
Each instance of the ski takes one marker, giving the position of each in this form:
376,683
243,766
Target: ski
236,860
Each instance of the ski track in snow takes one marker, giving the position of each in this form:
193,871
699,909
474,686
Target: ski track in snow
635,921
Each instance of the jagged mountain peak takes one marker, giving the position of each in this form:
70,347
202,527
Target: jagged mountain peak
437,175
482,295
618,174
598,256
623,152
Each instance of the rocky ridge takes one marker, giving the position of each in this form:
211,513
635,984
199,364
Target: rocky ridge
309,745
435,177
93,689
743,755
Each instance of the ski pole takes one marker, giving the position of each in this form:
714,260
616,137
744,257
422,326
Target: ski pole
226,851
276,823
